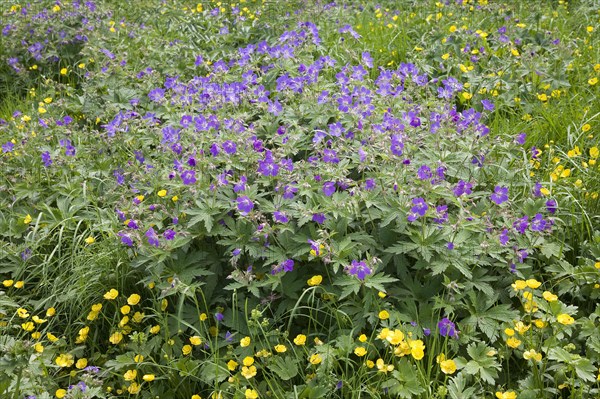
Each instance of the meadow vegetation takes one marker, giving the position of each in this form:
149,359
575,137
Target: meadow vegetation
303,199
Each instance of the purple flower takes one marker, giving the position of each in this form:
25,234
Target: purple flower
487,105
397,146
133,225
46,159
500,195
551,206
504,237
126,240
520,139
169,234
219,316
229,147
538,223
188,177
359,269
369,184
288,265
318,217
418,210
156,94
280,217
537,190
152,237
462,187
447,328
521,224
328,188
424,172
244,205
427,332
7,147
289,191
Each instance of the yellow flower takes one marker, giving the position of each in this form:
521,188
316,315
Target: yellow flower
155,329
90,240
51,337
300,339
64,360
64,71
81,363
115,338
362,338
280,348
565,319
125,309
92,316
506,395
130,375
248,361
448,366
23,313
251,394
593,81
533,283
550,297
133,299
594,152
513,342
467,96
315,280
138,317
203,317
360,351
315,359
248,372
134,388
509,331
148,377
519,285
384,315
532,354
381,366
586,127
27,219
28,326
138,358
521,327
19,284
381,294
539,323
175,198
542,97
195,340
60,393
162,193
8,283
112,294
81,65
244,342
186,350
232,365
417,349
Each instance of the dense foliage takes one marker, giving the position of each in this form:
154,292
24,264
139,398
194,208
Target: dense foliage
302,201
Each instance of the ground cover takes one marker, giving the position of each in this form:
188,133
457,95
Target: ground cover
299,200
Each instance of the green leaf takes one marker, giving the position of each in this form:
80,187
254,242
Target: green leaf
286,368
